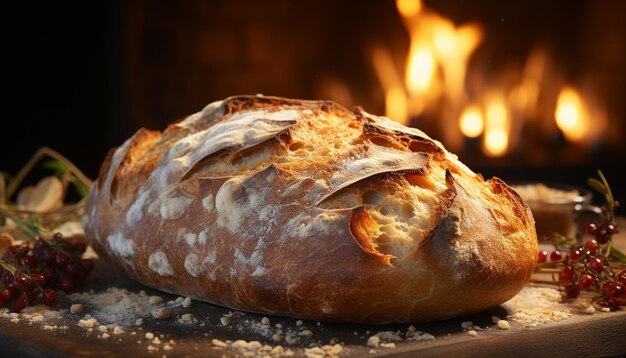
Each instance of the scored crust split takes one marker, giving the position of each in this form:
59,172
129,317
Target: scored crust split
307,209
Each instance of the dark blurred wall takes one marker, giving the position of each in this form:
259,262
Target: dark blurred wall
61,68
82,76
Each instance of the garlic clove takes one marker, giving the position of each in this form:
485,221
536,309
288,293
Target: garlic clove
24,197
46,196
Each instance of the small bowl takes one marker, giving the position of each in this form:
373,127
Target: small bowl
554,212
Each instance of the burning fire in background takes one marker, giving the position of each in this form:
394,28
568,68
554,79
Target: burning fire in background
437,84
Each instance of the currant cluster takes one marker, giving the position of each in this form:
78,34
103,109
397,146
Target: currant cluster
38,268
602,232
585,267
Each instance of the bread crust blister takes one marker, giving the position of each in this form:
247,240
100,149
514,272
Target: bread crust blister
307,209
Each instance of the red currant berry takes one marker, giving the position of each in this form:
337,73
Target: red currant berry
585,281
41,244
50,255
613,290
556,256
31,294
87,264
48,296
61,259
572,290
73,267
602,237
621,277
595,264
591,228
6,294
50,274
30,260
542,256
20,303
575,255
567,274
19,284
40,278
67,284
611,229
591,246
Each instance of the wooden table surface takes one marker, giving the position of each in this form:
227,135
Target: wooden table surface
598,334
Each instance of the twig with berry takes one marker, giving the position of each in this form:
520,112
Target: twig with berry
590,260
39,267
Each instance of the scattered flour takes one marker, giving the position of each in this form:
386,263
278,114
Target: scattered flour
121,246
158,263
536,306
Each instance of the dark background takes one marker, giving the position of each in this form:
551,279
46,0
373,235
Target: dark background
81,77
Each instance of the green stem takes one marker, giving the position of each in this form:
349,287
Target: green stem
610,202
7,266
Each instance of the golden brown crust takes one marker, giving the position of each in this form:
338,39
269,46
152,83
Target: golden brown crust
306,209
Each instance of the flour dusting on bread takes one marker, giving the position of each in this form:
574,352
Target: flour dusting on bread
309,209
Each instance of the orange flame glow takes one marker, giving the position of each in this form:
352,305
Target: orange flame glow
396,106
498,108
571,114
472,122
496,140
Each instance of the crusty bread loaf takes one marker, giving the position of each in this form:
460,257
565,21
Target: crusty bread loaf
307,209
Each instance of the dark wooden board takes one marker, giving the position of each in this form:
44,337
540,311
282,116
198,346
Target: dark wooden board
600,334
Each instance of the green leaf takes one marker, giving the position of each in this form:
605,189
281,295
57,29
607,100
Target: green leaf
80,187
597,185
56,166
30,227
617,255
60,169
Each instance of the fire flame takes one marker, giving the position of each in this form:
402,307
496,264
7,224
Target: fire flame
433,83
472,122
496,140
571,114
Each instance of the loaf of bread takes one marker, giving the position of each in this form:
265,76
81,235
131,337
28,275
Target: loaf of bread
307,209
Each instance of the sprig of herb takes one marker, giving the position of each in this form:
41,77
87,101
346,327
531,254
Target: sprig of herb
61,170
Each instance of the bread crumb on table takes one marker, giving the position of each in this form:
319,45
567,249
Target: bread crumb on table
76,308
161,313
503,324
186,302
